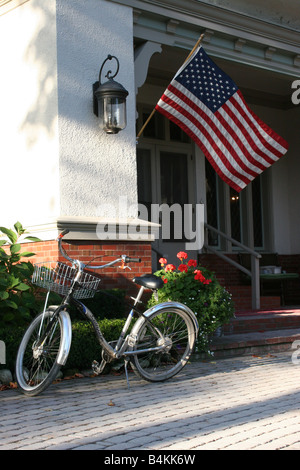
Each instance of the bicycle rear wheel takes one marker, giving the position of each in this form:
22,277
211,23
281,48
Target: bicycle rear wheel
177,341
36,364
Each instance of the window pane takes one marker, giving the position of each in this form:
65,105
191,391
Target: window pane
144,178
211,202
155,128
173,172
177,134
174,190
235,215
257,213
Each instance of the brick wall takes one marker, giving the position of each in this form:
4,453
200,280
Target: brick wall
85,251
226,273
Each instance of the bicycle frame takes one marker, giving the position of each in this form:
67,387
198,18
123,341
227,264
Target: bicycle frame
123,342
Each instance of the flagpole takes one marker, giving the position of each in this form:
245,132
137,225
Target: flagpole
153,111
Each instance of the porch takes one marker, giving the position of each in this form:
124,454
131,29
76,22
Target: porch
267,306
256,280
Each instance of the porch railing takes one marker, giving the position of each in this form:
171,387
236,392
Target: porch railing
254,273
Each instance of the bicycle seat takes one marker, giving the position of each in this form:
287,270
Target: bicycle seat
150,281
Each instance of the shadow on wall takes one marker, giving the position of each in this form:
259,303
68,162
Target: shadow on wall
66,50
41,56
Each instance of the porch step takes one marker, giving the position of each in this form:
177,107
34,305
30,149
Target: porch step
262,321
258,332
242,298
255,343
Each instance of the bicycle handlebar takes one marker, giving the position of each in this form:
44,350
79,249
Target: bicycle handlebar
124,258
132,260
61,249
63,233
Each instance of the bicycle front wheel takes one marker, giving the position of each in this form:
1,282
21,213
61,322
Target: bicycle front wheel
171,349
36,363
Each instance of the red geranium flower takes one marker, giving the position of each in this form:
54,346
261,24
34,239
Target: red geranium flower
162,261
182,255
183,268
199,276
170,267
192,263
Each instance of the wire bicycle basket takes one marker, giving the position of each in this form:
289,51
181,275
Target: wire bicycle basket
58,277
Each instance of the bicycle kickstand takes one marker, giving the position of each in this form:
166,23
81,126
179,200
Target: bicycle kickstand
126,360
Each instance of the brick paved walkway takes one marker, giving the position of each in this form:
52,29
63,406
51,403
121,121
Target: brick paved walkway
237,403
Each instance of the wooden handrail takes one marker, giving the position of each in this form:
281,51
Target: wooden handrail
232,240
255,257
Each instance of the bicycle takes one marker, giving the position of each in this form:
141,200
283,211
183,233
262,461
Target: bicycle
158,344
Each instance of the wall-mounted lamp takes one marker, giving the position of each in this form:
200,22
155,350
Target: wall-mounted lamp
110,101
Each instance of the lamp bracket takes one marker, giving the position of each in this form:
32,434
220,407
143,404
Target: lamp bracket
108,75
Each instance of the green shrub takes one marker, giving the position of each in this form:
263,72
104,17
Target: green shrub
199,289
85,347
12,337
17,299
108,304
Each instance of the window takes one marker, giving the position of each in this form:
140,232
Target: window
257,204
212,207
144,178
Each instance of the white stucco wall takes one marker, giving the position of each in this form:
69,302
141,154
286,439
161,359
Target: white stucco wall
95,168
28,118
55,160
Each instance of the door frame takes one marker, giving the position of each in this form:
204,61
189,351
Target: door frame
169,249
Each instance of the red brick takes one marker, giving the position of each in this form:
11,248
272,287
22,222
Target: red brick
105,252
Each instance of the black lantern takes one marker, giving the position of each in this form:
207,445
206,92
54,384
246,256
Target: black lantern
110,101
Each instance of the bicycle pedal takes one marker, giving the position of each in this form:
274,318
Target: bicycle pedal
98,368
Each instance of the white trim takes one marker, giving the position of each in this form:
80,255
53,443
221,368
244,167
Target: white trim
142,56
221,19
227,26
89,228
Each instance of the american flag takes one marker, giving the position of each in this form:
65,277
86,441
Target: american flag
206,103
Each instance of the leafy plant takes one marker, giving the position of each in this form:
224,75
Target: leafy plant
16,293
199,289
85,347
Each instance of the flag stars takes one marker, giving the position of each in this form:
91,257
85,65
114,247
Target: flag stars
206,81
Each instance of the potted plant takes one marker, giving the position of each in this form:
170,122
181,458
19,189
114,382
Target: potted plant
199,289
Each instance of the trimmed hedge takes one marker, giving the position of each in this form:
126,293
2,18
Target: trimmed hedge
109,308
84,349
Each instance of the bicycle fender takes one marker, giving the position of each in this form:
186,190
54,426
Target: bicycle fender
166,305
67,336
